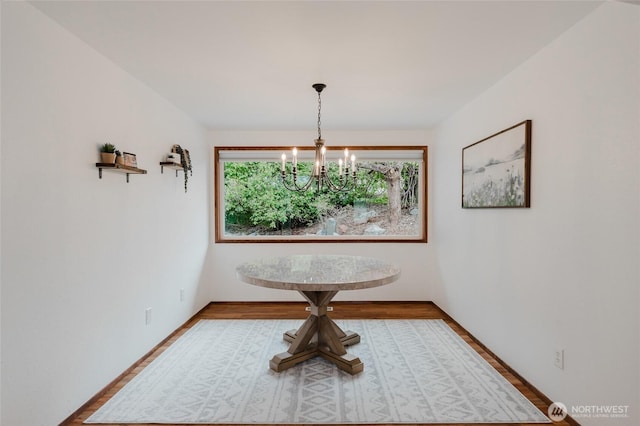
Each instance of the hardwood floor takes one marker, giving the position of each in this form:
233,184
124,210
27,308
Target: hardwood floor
341,310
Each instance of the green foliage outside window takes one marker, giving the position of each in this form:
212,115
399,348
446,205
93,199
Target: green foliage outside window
254,195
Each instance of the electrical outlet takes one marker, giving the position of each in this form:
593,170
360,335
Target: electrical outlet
558,360
147,316
182,294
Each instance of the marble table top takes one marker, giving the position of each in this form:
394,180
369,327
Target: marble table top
318,272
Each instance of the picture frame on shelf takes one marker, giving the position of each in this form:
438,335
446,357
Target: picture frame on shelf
130,159
496,171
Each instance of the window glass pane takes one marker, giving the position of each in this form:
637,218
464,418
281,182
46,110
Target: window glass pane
386,204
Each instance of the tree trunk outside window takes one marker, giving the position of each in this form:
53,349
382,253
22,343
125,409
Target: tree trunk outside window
392,173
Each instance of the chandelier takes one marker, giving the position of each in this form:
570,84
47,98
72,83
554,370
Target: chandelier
345,179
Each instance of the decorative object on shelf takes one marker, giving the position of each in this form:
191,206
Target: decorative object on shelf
496,171
185,162
173,157
108,153
130,159
320,169
121,168
119,158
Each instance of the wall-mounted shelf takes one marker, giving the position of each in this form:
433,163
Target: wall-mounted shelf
120,168
170,165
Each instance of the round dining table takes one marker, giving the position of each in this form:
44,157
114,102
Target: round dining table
318,278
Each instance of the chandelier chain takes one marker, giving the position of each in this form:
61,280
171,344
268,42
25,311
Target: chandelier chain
319,108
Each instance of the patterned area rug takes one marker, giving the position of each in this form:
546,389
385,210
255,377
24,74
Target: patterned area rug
415,371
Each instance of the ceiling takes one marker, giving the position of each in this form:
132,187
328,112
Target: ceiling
388,65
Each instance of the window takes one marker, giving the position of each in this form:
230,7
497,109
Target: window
388,204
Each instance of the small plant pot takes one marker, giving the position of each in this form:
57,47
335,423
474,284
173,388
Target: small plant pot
120,160
108,157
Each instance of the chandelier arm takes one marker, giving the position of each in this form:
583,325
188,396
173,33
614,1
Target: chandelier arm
294,186
348,184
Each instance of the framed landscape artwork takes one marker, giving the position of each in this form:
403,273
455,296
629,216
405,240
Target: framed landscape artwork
496,171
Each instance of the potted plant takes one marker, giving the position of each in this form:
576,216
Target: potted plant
119,158
108,153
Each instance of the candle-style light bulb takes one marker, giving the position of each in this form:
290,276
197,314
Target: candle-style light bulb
323,151
294,152
353,163
339,166
284,160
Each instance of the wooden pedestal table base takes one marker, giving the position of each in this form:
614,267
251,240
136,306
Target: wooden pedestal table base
318,278
319,336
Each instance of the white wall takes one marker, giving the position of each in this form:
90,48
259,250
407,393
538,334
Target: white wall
415,259
563,274
82,258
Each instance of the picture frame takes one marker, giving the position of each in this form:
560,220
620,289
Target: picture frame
496,171
130,159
